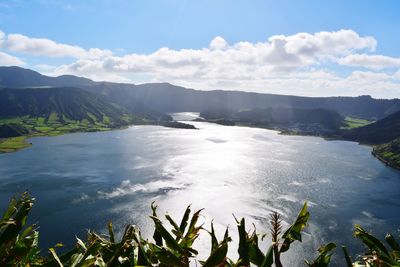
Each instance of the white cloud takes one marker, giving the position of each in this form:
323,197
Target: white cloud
370,61
8,60
397,75
45,47
327,43
294,64
278,54
218,43
1,38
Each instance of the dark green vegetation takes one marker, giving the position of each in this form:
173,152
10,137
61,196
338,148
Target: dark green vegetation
176,124
53,111
379,132
55,106
389,152
384,134
19,244
13,129
60,107
306,121
351,123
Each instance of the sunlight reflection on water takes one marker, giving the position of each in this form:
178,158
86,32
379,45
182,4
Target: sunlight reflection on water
226,170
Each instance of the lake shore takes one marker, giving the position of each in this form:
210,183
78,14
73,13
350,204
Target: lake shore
14,144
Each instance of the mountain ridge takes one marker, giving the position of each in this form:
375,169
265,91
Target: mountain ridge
164,97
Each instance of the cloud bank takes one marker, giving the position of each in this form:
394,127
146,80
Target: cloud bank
319,64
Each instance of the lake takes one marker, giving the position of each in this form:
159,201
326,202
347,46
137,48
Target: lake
83,180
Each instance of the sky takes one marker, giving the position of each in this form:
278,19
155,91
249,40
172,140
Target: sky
308,47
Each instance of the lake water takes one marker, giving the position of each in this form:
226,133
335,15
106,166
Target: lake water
83,180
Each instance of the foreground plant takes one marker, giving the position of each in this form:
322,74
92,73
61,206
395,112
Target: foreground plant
19,244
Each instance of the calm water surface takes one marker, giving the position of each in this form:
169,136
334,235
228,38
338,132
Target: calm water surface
83,180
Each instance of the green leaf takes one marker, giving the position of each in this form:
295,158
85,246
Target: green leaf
255,254
293,233
100,262
392,242
157,235
370,241
177,231
269,258
111,232
169,240
193,231
168,258
80,243
243,249
324,256
11,209
185,219
217,256
214,241
54,254
347,257
142,257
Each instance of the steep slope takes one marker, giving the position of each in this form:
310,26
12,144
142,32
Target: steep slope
125,95
16,77
389,153
12,130
379,132
57,110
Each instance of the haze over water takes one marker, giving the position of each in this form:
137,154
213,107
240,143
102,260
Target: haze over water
84,180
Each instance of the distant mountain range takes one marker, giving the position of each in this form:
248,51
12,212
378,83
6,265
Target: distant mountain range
32,102
158,98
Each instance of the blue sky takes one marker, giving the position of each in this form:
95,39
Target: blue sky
129,34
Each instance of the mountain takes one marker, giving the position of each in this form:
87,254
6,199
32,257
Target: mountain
307,121
58,110
16,77
70,103
165,97
379,132
156,99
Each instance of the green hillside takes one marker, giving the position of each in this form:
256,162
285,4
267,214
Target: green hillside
53,111
379,132
389,153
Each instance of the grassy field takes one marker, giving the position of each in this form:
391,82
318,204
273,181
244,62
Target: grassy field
389,153
51,126
13,144
351,123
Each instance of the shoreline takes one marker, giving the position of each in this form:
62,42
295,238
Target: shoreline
325,137
385,161
17,143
